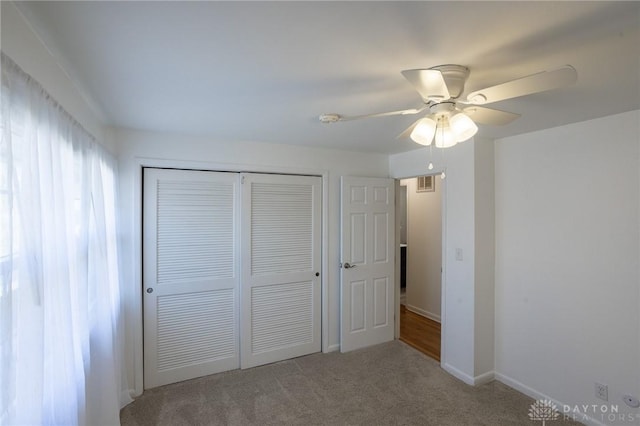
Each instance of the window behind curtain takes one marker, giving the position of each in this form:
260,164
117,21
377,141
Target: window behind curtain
60,325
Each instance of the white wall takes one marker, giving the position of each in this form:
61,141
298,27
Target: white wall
143,148
21,44
567,258
459,298
424,251
484,308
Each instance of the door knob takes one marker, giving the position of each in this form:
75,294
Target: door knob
347,265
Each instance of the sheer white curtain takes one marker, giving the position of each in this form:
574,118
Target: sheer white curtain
60,330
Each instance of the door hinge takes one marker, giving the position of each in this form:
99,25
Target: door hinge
242,180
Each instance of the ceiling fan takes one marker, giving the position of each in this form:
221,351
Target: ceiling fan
450,118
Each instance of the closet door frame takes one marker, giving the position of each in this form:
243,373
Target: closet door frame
131,199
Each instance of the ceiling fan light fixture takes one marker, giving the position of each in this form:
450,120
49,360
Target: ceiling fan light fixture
463,127
424,131
445,136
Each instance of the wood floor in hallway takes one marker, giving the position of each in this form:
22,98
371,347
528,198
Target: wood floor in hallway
420,332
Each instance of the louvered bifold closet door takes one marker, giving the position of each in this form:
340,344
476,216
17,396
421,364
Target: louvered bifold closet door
281,222
190,274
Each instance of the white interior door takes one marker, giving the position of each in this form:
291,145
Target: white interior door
190,274
368,262
281,225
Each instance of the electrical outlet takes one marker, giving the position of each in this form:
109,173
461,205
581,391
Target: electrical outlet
602,391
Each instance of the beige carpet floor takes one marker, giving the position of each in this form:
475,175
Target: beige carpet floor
388,384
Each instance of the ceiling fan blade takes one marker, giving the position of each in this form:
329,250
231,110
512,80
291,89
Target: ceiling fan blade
332,118
485,115
540,82
429,83
407,131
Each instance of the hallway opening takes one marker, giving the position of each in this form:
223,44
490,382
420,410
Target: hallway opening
420,224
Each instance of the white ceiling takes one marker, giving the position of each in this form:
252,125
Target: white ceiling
264,71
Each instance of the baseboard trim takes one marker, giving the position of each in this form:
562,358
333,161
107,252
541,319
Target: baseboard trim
483,378
333,348
458,374
530,392
423,313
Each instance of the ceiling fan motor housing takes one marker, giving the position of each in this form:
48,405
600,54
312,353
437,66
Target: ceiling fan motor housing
455,76
442,108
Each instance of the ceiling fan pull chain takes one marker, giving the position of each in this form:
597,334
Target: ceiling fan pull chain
444,162
430,166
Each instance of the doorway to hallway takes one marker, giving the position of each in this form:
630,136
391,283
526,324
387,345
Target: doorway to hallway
420,332
420,223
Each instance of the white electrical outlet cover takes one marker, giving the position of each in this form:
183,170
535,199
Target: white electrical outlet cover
631,401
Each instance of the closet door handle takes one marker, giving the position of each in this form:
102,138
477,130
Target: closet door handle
347,265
